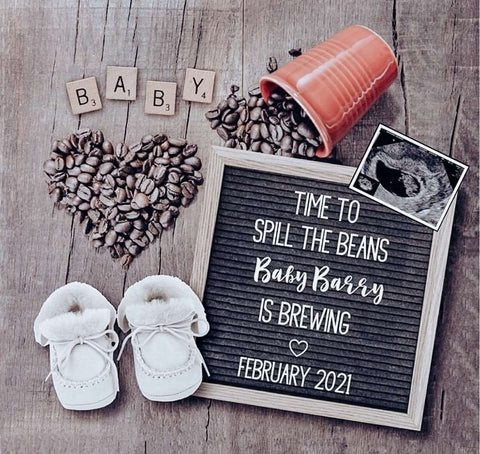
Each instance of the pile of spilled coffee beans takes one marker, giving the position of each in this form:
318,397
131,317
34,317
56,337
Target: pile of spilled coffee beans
124,196
279,126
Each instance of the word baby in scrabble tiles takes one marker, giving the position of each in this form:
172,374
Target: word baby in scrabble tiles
121,84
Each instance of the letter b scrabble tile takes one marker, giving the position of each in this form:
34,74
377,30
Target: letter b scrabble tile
121,83
83,95
160,97
198,85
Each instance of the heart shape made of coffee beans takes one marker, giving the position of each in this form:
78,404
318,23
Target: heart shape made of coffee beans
124,196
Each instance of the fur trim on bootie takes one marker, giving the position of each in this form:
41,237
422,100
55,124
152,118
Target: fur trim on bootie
73,298
170,294
158,311
71,325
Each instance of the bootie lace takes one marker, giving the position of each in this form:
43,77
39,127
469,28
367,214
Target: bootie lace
103,350
181,329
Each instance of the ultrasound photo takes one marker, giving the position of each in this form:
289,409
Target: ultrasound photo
408,177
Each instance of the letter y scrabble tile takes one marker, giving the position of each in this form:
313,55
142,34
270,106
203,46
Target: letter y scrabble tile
198,85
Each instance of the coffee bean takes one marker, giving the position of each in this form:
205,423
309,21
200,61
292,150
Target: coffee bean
153,197
84,193
272,64
222,106
121,150
120,195
94,215
123,227
295,52
174,177
105,168
231,118
266,148
188,189
107,147
297,136
255,146
71,183
159,174
187,169
134,234
50,167
230,143
64,146
215,123
190,150
69,161
212,114
229,127
305,130
176,160
197,177
221,131
286,143
56,195
310,153
194,161
141,200
132,215
232,103
59,164
314,142
79,159
264,131
275,134
302,149
86,168
93,161
139,180
107,201
254,90
84,178
177,142
166,219
126,260
277,96
147,186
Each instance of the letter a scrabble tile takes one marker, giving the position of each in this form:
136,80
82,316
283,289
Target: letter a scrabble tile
198,85
83,95
160,97
121,83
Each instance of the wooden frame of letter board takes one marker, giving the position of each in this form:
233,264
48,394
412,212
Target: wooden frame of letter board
433,290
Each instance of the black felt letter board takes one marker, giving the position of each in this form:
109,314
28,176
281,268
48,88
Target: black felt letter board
375,357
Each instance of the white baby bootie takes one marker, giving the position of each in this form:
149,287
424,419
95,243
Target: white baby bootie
76,321
164,316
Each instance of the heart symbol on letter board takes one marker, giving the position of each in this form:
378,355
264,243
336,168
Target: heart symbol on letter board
125,196
298,347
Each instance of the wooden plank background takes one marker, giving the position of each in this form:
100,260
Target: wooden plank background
45,44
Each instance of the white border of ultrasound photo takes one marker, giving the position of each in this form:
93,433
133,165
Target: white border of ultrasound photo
382,127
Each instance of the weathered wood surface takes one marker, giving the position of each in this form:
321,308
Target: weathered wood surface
45,44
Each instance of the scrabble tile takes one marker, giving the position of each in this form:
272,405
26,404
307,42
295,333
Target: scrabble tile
83,95
121,83
160,97
198,85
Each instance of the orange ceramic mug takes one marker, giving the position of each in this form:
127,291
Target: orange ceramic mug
337,81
